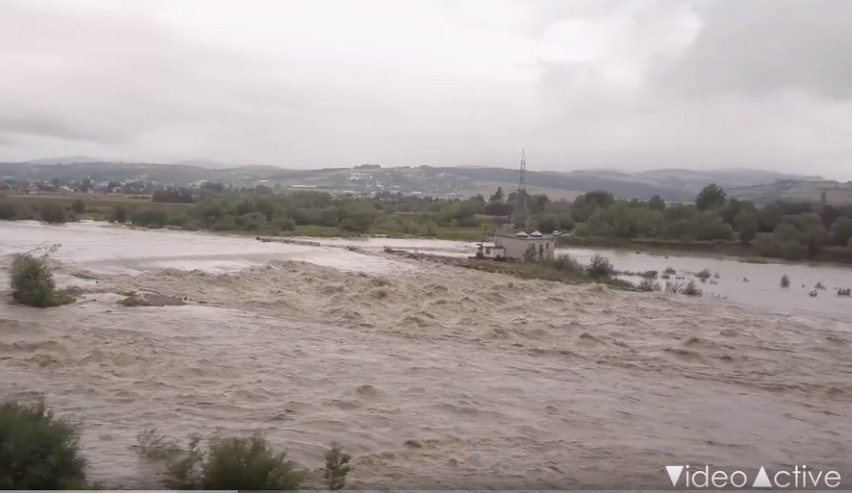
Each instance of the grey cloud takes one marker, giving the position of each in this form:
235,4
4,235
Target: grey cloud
755,47
662,92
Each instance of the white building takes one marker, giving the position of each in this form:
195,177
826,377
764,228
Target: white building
515,246
490,250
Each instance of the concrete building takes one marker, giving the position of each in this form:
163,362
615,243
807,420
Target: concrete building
490,250
516,245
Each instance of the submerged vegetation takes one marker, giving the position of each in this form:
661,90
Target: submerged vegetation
32,280
225,463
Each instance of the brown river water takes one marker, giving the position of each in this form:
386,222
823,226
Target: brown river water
431,376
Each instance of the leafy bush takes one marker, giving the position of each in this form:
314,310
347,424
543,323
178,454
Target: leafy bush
599,267
119,214
224,464
150,218
670,270
691,289
32,282
793,250
530,254
37,451
567,263
78,206
648,284
785,281
8,210
703,275
285,224
674,287
336,468
52,213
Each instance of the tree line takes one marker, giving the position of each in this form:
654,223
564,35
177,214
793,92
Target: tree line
790,230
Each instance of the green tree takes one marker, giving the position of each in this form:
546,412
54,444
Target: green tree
547,223
498,196
710,197
769,217
746,222
841,231
657,203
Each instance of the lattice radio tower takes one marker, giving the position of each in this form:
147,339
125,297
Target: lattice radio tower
521,202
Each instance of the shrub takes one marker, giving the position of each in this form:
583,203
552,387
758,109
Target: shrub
703,275
785,281
567,263
119,214
225,464
691,289
32,282
674,287
78,206
599,267
52,213
793,250
37,451
285,224
8,210
670,270
336,468
150,218
530,255
648,284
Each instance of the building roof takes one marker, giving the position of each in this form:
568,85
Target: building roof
542,237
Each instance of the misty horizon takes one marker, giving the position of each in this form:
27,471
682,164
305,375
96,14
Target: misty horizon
609,84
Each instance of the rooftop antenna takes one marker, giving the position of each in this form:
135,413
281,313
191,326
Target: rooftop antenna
520,210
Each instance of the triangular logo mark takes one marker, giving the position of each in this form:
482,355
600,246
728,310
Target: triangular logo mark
674,473
762,480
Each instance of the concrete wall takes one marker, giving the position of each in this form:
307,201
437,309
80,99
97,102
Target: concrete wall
516,247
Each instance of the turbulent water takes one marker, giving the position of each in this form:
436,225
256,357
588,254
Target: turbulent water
432,376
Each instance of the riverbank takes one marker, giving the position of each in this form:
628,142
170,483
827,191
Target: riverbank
747,253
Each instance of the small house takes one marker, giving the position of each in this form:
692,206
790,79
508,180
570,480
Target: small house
490,250
516,245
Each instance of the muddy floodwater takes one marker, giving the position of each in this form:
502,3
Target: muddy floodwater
430,375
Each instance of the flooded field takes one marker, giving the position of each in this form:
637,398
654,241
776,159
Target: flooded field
432,376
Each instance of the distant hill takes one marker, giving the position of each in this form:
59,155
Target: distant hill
671,184
795,191
66,160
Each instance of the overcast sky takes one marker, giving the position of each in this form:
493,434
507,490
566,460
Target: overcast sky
632,84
